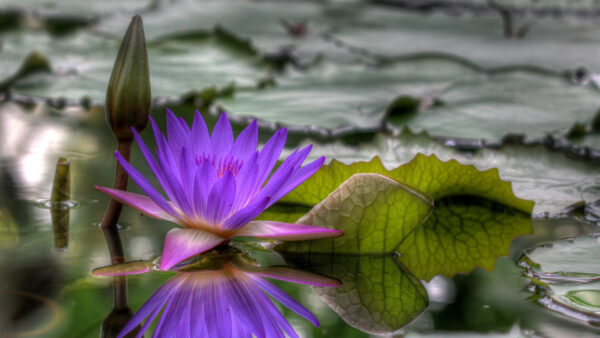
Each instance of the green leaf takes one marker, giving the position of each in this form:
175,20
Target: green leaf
432,176
374,211
475,218
526,166
378,295
461,234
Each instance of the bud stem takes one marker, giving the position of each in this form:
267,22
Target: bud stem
109,222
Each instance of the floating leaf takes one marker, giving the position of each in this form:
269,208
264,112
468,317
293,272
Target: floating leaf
82,64
566,275
462,233
127,268
572,258
378,294
475,218
429,174
550,178
374,211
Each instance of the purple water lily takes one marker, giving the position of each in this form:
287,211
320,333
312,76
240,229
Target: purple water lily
226,302
216,185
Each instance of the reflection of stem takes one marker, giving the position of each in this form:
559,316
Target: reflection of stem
120,293
113,241
120,313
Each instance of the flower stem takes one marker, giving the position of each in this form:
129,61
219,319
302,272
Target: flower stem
114,208
111,233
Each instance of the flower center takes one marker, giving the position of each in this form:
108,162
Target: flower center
223,165
229,164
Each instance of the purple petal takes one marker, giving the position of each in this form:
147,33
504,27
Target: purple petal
248,213
238,292
246,142
156,302
286,231
266,309
288,274
205,177
297,178
173,174
143,183
246,181
184,125
220,311
139,202
188,169
197,299
148,322
181,244
285,172
222,136
221,199
270,153
286,300
173,316
165,318
158,173
275,183
178,136
199,138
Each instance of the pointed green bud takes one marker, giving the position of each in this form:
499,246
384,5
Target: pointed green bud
128,97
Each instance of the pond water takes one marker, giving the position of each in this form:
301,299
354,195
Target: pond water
468,93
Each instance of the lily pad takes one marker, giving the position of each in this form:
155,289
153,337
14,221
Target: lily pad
378,295
371,56
475,218
82,64
549,178
432,176
74,7
461,234
374,211
332,95
568,257
566,278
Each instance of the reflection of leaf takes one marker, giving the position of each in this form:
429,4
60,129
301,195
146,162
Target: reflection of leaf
9,233
378,294
374,211
462,233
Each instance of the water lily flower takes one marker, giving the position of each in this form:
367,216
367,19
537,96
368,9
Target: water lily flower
215,185
224,302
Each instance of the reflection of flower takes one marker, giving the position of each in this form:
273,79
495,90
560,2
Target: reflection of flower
227,302
216,186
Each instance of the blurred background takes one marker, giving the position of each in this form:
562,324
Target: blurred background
512,84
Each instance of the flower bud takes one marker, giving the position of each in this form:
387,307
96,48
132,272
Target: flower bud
128,97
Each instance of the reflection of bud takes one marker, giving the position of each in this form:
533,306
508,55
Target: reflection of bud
128,96
114,323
